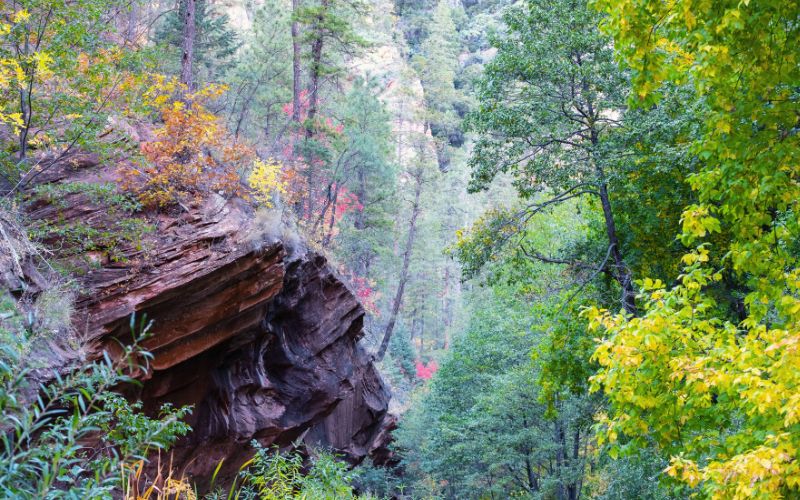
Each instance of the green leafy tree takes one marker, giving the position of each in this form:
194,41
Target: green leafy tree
59,73
718,393
550,102
651,188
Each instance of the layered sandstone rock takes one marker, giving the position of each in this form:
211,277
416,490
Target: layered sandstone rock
262,346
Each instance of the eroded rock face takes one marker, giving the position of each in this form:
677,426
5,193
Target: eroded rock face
263,348
281,378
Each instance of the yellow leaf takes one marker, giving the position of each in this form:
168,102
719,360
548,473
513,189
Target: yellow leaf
21,16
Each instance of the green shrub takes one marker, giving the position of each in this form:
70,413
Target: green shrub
379,481
74,239
73,436
272,475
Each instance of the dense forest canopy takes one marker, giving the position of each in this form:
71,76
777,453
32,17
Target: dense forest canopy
571,224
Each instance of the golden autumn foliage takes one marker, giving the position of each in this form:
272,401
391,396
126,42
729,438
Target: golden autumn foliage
13,72
267,180
192,153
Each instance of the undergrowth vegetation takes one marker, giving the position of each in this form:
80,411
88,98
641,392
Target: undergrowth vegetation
273,475
69,435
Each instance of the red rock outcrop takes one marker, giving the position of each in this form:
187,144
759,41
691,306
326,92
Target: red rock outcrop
263,347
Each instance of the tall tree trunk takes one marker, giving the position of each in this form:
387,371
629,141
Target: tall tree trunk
452,289
296,76
623,273
401,285
414,321
533,483
189,33
561,456
326,240
25,106
422,333
329,201
26,101
360,222
446,307
316,68
576,455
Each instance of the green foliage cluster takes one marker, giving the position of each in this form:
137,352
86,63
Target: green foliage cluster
663,125
437,66
548,101
60,71
484,428
371,175
379,482
71,436
261,78
332,24
711,376
274,475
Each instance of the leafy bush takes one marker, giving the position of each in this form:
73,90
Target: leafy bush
71,436
61,73
192,154
379,481
272,475
267,181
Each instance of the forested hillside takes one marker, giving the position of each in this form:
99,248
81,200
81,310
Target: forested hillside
325,249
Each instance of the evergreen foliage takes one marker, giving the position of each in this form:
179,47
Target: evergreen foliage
260,80
437,64
215,43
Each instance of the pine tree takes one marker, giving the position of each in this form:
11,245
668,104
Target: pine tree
437,65
214,43
261,81
329,32
372,180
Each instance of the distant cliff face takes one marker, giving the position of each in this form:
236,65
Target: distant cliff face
262,346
